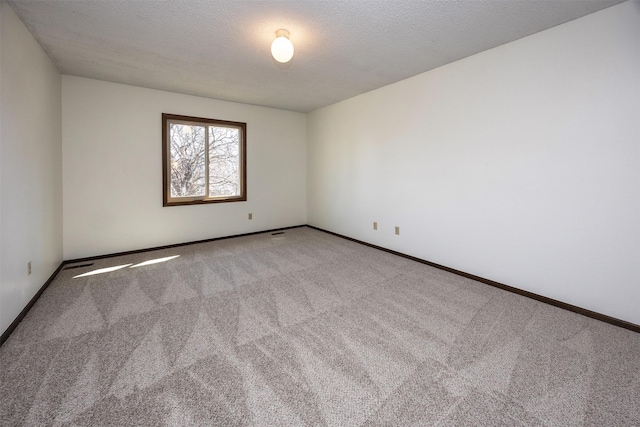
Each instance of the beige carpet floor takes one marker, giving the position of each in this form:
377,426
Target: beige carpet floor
305,328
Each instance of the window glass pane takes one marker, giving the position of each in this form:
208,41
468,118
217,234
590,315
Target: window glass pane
204,160
187,160
224,161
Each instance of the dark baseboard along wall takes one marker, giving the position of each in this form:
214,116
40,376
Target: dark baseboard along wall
598,316
30,304
5,335
537,297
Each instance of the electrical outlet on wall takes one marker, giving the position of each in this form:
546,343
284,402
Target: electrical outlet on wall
375,225
397,230
28,268
250,216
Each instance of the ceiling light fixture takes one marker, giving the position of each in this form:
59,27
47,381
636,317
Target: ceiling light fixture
282,48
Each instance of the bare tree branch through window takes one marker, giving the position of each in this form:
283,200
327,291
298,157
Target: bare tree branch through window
204,160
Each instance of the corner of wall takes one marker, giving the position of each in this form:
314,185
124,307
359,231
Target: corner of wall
31,166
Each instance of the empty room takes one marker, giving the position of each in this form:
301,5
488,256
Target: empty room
322,212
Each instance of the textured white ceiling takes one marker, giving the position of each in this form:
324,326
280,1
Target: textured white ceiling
221,49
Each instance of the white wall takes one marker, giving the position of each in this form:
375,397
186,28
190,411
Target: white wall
31,162
112,169
520,164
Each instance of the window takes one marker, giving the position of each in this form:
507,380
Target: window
203,160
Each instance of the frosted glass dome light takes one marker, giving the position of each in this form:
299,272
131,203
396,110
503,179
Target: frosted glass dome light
282,48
